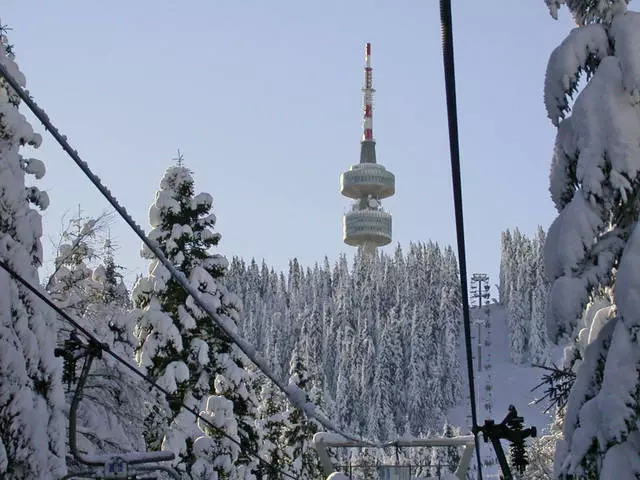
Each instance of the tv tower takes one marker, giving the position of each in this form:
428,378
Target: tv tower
367,224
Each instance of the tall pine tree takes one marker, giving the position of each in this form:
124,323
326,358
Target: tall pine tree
180,346
298,433
594,243
32,428
271,426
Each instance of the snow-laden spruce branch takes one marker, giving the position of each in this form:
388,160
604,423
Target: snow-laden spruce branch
295,395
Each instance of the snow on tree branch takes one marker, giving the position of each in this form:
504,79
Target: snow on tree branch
580,52
589,11
562,178
625,33
627,288
569,237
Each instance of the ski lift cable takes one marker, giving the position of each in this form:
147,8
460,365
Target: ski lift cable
454,147
104,347
292,395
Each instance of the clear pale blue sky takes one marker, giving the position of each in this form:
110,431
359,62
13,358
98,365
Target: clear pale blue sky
263,99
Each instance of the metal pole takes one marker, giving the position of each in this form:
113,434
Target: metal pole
480,325
446,24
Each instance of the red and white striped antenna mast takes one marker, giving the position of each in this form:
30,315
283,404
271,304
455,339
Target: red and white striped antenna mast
368,90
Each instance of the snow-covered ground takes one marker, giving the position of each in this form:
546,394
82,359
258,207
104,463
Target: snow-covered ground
511,384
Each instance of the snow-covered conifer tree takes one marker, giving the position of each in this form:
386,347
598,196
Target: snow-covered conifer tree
505,265
520,309
111,411
347,384
450,314
271,426
524,291
381,421
70,283
538,349
595,187
595,164
32,423
342,337
331,352
313,345
419,410
298,434
365,375
275,350
181,347
401,319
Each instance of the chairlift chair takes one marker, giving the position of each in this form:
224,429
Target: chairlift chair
323,440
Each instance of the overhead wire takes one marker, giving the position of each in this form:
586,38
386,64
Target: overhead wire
454,147
105,348
178,276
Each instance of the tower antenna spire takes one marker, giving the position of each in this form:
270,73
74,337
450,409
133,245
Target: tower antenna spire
367,89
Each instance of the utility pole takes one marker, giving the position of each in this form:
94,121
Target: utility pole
479,348
488,388
480,290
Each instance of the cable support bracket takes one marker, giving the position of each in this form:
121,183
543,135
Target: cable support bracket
509,429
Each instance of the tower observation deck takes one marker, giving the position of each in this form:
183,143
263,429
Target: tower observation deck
367,182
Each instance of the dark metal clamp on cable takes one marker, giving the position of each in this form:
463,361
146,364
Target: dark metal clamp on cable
509,429
73,349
